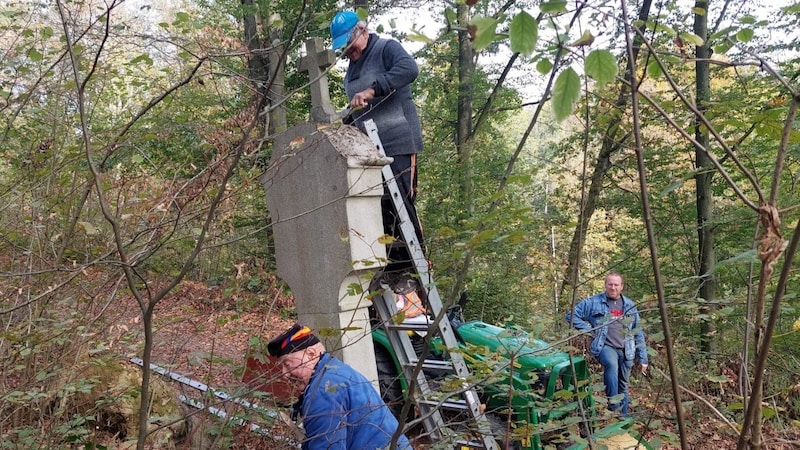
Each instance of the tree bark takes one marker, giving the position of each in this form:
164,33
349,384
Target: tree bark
704,175
257,61
612,141
276,93
466,69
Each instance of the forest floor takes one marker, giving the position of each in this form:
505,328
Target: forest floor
204,334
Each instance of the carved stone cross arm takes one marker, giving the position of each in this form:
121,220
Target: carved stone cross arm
317,59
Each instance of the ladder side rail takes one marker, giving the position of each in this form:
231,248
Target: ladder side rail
401,343
406,227
430,415
411,240
420,263
432,296
398,339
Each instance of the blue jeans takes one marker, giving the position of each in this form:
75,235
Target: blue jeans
616,374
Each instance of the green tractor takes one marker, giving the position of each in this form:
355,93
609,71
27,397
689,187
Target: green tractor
545,384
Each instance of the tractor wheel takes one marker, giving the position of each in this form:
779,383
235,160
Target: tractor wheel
498,425
389,381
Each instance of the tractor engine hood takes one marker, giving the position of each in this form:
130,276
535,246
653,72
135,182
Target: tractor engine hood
529,353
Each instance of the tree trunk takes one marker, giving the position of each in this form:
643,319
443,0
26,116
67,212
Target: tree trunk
612,141
277,87
268,73
466,68
257,61
703,180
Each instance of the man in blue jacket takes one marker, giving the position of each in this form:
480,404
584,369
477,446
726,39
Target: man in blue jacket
378,84
613,321
340,409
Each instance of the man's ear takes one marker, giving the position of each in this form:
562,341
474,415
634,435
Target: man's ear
312,352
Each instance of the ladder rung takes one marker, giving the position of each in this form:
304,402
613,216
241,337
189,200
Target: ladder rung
396,245
456,405
470,444
435,365
407,326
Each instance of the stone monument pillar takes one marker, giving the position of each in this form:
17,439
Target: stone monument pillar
324,188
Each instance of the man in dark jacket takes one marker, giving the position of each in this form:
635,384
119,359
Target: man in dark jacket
378,84
340,409
613,321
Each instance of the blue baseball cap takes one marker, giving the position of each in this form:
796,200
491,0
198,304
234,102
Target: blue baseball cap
341,27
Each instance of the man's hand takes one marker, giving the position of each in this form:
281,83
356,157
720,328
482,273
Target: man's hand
362,98
644,370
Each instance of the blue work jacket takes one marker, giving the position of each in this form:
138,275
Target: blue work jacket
342,410
593,314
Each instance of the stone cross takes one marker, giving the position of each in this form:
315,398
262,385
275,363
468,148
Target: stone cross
317,59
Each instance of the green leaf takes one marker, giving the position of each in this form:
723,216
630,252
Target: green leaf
724,32
717,378
748,20
672,187
180,18
524,31
34,55
450,15
602,66
654,70
354,289
386,239
416,36
726,311
699,11
586,39
544,66
521,179
566,92
656,337
692,38
553,7
747,257
46,32
143,58
722,47
744,35
88,228
658,26
482,237
484,32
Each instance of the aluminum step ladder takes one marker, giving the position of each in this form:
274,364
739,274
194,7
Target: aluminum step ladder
429,403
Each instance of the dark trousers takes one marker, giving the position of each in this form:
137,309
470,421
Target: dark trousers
404,168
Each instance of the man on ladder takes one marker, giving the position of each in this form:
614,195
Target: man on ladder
378,84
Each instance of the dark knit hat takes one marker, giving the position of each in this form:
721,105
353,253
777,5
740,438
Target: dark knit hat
292,340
